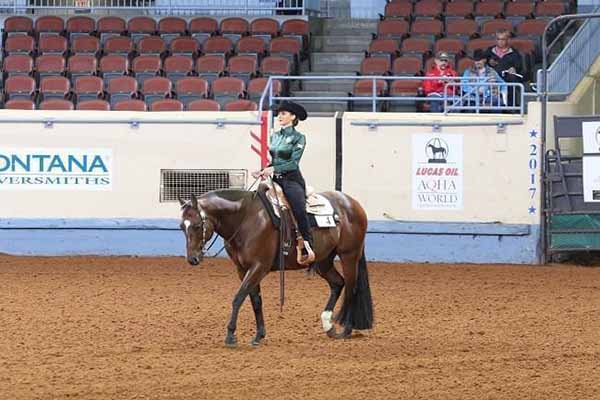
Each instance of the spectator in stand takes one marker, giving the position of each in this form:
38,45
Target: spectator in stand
434,88
482,95
508,63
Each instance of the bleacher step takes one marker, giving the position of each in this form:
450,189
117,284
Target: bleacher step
336,62
337,85
350,27
322,106
339,44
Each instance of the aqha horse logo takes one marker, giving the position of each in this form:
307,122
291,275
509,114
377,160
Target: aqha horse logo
437,151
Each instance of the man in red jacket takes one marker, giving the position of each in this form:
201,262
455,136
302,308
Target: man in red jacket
434,88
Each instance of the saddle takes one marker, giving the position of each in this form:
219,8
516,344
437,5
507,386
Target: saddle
319,209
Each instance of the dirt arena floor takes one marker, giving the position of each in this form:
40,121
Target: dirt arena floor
153,328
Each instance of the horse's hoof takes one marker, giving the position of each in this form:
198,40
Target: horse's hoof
344,335
231,342
332,333
257,340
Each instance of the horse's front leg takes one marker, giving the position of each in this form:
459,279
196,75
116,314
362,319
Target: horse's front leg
250,281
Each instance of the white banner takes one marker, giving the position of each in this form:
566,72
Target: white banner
591,161
437,172
591,137
55,169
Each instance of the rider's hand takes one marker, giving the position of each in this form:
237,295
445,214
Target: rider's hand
256,174
267,172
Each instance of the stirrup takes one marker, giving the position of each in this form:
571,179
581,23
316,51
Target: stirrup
309,258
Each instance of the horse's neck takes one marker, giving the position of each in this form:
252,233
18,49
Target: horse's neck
225,213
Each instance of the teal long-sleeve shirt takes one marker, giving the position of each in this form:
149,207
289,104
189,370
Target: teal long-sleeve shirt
286,148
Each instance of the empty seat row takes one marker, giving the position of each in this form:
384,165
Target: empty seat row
124,45
467,9
125,88
169,27
143,67
133,105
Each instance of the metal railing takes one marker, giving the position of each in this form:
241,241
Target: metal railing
167,7
573,62
463,101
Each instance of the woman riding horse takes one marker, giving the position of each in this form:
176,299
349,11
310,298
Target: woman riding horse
286,148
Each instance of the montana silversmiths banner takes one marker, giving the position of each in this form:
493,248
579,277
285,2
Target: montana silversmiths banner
437,174
591,161
55,169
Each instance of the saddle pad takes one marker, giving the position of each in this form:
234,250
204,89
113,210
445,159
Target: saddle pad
318,204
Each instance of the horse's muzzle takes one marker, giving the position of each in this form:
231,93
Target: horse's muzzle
193,260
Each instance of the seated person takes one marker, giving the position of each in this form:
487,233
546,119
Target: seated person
507,62
483,95
435,87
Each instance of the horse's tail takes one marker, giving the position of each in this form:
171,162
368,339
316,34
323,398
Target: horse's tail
357,309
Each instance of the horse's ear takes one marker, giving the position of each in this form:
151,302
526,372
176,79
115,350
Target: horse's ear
181,201
194,202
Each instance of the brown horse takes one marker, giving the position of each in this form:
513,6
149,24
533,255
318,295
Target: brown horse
251,240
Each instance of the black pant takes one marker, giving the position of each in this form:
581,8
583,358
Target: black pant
294,188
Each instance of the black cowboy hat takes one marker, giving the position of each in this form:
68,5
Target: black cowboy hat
293,108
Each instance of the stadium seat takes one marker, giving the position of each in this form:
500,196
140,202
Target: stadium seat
112,66
257,86
274,66
50,64
264,28
375,66
463,64
489,28
297,28
88,88
416,47
52,44
170,28
210,67
430,29
156,88
80,26
145,67
151,45
463,30
404,88
49,25
94,105
252,46
428,9
287,47
487,10
242,67
392,29
395,10
407,66
203,105
227,88
201,28
20,87
166,105
217,45
17,25
191,88
549,9
119,45
110,26
141,27
18,64
364,87
478,44
184,46
519,11
56,104
241,105
234,28
85,45
458,10
19,104
130,105
55,87
82,65
122,88
178,67
454,47
387,48
19,44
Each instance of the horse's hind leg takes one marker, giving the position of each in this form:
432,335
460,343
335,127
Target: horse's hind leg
258,314
327,270
350,268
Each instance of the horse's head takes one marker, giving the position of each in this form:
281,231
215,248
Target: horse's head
197,228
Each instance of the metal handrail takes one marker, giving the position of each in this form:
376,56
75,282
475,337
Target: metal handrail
373,98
